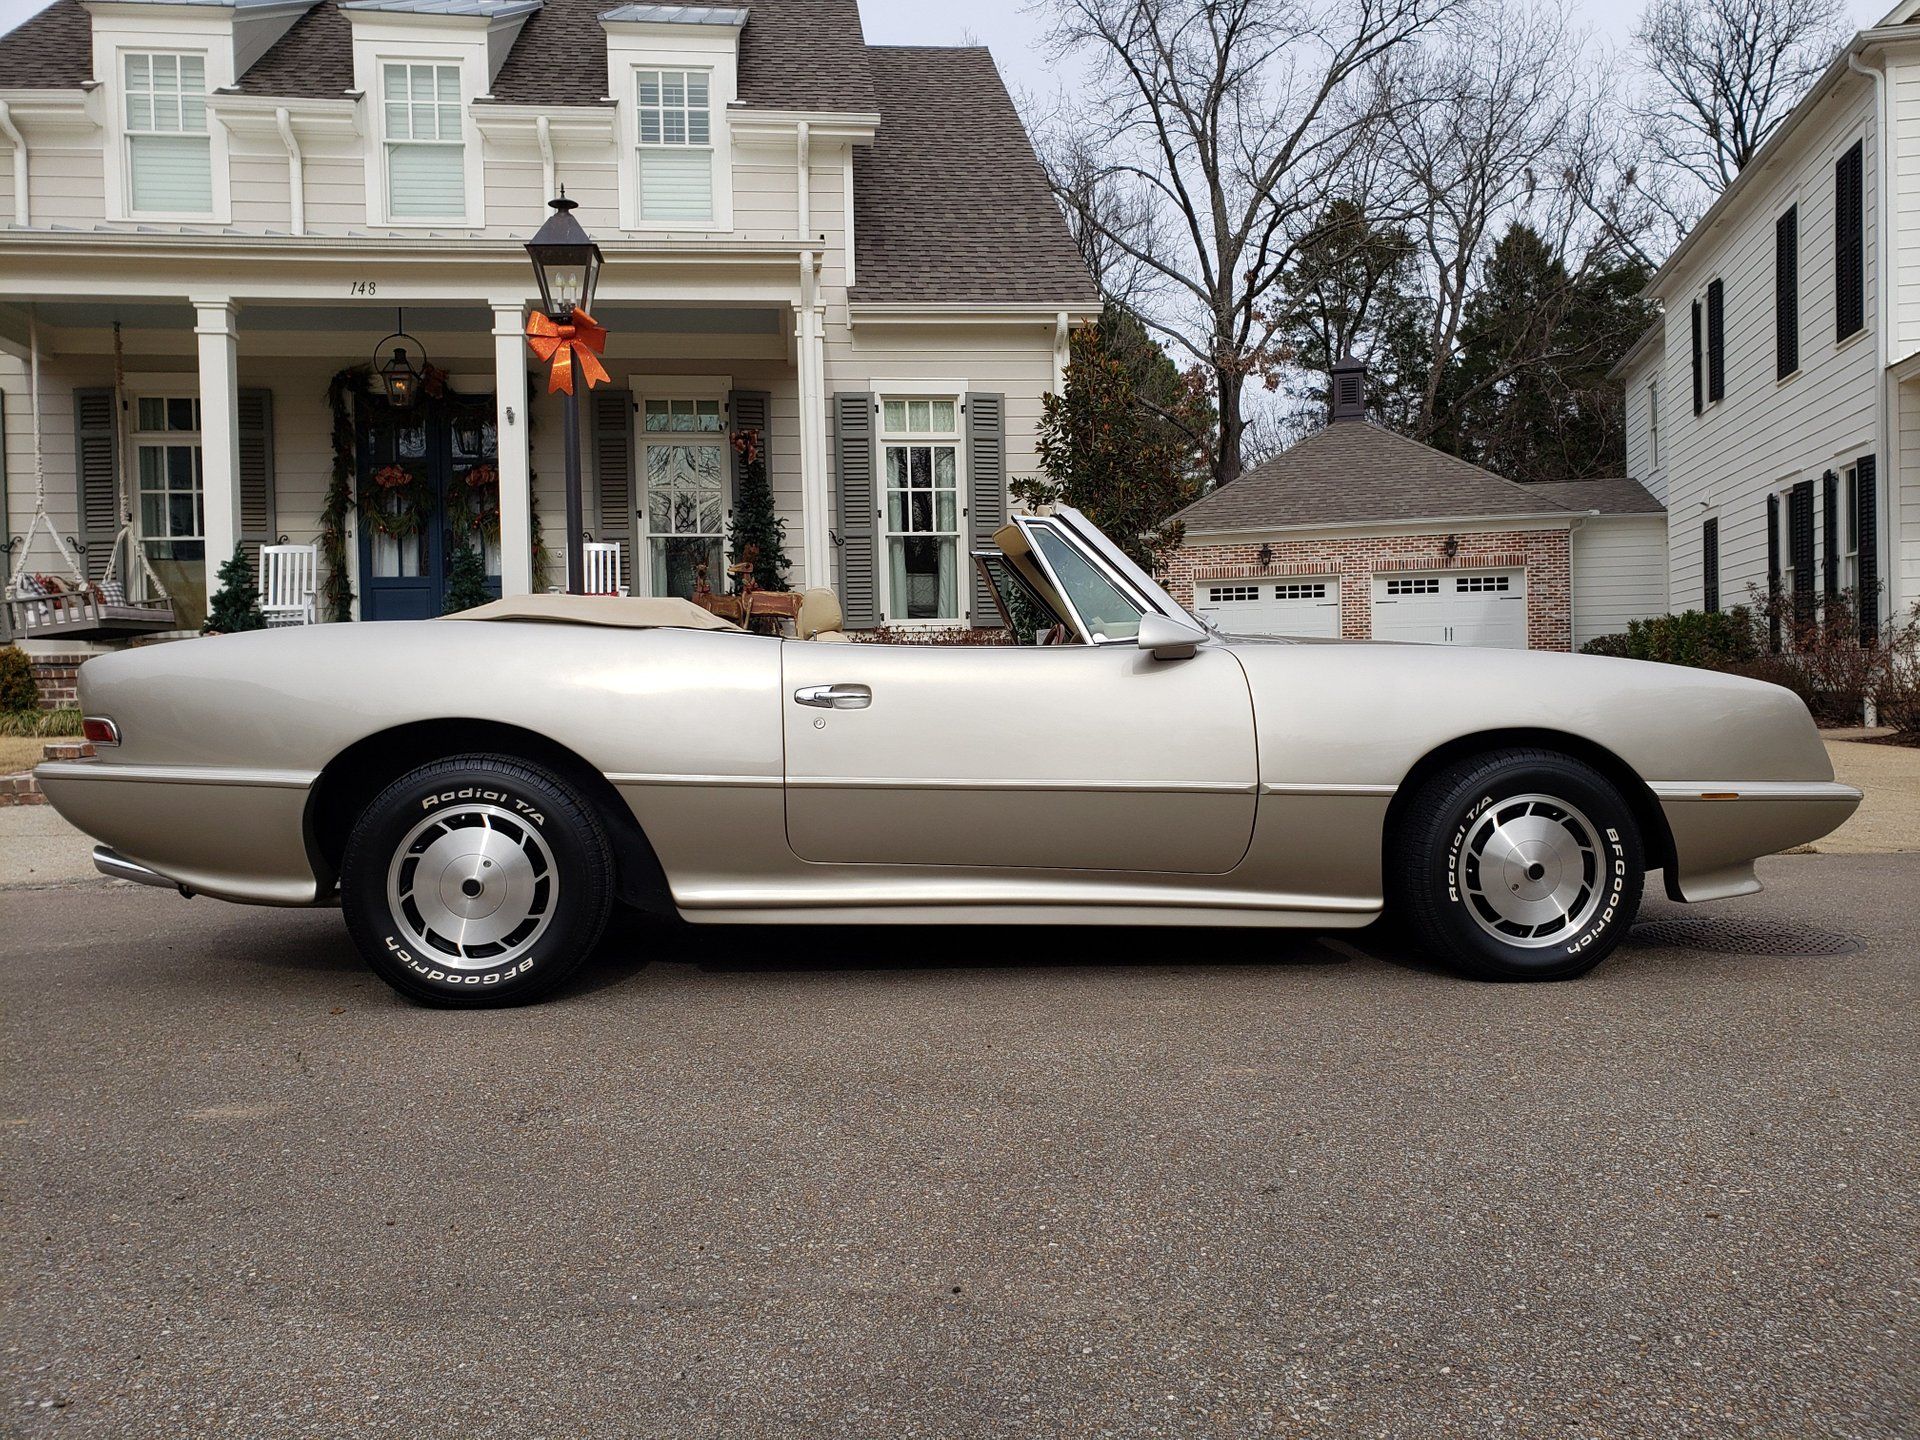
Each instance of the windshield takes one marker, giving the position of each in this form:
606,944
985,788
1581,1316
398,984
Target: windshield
1107,613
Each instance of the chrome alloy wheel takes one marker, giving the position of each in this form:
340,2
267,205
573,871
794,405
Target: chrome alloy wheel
472,887
1531,870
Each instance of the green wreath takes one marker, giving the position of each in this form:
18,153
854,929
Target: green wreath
397,504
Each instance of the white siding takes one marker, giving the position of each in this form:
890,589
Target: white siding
1619,574
1645,458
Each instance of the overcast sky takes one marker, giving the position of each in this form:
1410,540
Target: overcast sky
1014,35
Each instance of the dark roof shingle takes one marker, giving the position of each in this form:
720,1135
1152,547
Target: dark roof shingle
1355,472
49,51
313,60
1610,495
951,202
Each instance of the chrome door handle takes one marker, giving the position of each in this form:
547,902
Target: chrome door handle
835,697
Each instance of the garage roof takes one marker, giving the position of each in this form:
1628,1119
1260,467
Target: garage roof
1609,495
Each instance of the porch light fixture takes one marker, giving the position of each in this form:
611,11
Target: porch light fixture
566,262
400,378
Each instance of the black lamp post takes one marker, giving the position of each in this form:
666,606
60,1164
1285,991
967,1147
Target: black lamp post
566,262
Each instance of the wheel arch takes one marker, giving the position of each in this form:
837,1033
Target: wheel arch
1655,835
366,767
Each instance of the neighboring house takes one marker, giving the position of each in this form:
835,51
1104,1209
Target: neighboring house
1776,404
850,248
1361,532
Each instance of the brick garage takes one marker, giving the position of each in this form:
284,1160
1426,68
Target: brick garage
1543,554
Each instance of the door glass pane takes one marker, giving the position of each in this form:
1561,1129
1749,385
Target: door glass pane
1108,614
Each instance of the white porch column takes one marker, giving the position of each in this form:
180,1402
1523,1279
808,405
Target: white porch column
219,430
816,493
516,470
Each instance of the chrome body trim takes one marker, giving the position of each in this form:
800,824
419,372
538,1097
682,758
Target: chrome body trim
177,774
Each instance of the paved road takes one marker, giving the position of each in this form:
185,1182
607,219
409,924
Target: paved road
1191,1184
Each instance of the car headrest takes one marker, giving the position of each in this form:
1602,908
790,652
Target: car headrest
819,612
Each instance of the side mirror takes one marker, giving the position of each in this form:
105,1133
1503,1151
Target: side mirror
1166,638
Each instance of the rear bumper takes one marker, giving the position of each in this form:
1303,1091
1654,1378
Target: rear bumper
1719,830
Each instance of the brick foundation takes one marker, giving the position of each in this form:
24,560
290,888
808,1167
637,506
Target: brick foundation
1544,554
58,676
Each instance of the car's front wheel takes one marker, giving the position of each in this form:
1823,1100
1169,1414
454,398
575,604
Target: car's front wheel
476,880
1518,865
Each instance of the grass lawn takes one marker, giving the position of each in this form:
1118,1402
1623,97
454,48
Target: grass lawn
17,753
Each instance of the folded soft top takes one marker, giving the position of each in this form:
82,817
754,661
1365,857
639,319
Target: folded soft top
621,611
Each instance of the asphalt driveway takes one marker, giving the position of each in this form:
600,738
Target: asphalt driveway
887,1183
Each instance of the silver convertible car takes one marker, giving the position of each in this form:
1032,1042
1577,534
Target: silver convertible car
476,793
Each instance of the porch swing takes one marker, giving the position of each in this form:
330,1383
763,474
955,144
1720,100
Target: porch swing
40,607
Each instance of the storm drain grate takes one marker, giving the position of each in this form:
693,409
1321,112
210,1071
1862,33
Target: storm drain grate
1723,935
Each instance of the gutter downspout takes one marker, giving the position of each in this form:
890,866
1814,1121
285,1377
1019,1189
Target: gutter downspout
19,144
1889,479
543,128
296,171
803,151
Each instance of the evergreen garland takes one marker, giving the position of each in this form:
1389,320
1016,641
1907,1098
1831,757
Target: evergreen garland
466,580
336,589
236,604
754,522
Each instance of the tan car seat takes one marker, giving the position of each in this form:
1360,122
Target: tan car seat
820,617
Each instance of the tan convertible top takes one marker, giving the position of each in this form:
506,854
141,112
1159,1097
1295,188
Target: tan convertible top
622,612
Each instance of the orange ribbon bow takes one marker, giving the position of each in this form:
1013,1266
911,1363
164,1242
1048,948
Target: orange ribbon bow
561,343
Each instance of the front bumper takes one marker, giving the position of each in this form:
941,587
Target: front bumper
1719,830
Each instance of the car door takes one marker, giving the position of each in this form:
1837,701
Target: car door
1078,757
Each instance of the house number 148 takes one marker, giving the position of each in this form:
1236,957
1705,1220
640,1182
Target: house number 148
363,287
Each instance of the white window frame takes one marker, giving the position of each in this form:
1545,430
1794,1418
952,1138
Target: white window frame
141,439
661,76
1849,521
386,142
380,40
114,40
911,392
676,387
634,46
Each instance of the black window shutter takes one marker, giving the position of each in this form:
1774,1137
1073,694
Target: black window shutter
1867,513
255,428
612,442
1710,566
986,491
1773,572
1698,400
1786,293
94,438
1717,340
1800,550
1849,244
1830,523
853,463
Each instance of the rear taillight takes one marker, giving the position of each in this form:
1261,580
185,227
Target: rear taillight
100,730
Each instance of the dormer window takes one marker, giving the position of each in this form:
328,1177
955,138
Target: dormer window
426,142
674,114
169,162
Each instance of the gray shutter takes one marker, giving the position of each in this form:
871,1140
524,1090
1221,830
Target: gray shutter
986,490
1867,508
256,472
95,473
748,410
858,509
612,444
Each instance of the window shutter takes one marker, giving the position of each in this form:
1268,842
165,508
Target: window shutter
94,454
1849,244
1773,573
986,490
1830,522
1866,509
747,410
1698,393
1717,340
1786,293
853,473
613,472
256,471
1710,566
1800,549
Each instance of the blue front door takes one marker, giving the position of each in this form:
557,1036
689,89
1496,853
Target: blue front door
428,484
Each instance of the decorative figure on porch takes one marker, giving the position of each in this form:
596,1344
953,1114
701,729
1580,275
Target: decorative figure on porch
566,263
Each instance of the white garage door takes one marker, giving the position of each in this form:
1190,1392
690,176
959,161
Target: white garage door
1271,607
1473,607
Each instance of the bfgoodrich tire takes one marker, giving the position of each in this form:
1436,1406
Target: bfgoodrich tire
1518,865
476,880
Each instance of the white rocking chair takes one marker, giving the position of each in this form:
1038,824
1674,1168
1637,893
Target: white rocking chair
601,561
289,580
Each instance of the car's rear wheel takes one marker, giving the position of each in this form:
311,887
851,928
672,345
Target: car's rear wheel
1518,865
476,880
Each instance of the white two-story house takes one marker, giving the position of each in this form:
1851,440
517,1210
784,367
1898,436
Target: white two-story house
214,210
1775,407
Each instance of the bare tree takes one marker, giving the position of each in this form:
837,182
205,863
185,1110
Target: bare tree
1236,119
1723,74
1114,219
